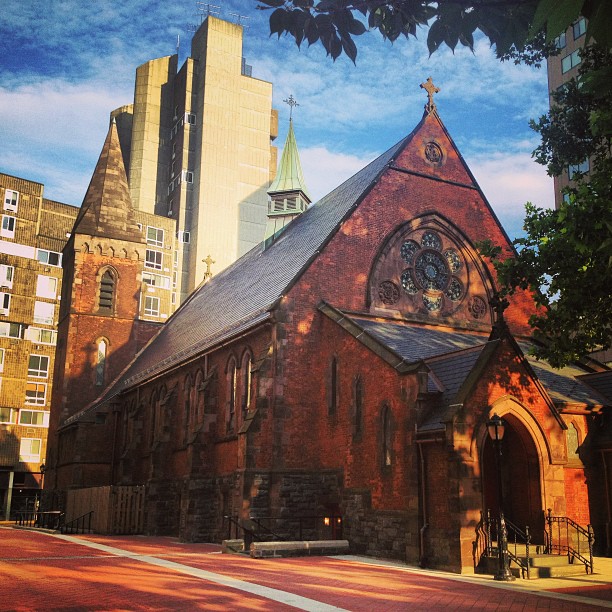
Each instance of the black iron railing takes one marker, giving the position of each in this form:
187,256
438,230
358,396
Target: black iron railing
53,519
486,544
81,524
566,537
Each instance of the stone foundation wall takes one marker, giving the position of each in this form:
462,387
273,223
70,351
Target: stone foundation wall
372,532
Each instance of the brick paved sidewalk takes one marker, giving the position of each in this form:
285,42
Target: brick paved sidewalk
43,572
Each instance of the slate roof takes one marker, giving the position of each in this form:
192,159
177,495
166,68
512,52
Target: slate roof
415,342
242,295
601,382
452,356
565,385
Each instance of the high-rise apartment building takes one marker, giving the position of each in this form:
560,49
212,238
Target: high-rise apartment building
197,148
33,233
562,68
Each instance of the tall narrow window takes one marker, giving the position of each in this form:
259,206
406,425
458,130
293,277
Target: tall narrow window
358,426
231,395
246,384
333,386
187,407
100,362
386,436
107,292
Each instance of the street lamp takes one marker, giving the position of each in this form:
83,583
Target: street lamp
496,428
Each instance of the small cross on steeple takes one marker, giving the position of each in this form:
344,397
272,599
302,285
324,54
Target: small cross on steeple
208,261
431,89
291,101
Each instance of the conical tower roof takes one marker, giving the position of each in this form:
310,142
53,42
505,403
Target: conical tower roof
107,208
289,176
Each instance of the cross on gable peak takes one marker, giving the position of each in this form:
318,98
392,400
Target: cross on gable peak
431,89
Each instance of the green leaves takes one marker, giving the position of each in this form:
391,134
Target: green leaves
510,25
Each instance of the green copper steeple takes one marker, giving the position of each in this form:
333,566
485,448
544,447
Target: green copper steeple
288,194
289,176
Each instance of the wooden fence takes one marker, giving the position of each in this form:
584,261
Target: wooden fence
117,509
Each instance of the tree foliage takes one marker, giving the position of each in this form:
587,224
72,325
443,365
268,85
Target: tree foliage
508,24
566,257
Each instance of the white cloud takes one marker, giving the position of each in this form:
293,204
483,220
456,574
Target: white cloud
324,170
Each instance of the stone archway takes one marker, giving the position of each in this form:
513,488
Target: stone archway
521,488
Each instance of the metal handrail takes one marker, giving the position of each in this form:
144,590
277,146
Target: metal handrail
78,525
53,519
563,544
486,534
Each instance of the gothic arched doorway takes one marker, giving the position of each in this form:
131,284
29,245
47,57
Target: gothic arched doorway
520,469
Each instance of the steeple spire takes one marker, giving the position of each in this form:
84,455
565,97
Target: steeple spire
288,194
107,207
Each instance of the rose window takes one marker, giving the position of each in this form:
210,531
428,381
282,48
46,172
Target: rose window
431,271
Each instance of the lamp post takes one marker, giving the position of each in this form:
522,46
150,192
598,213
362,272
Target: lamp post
496,428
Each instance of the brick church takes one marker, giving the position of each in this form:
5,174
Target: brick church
346,367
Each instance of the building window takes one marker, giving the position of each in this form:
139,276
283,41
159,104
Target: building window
44,312
154,259
8,415
561,41
11,200
46,287
38,366
100,362
187,407
11,330
333,386
170,208
570,61
155,236
1,360
183,236
581,168
8,227
231,395
579,28
190,119
156,280
5,303
387,441
188,176
246,384
41,336
35,418
358,415
6,276
573,442
36,393
151,306
50,258
107,292
29,450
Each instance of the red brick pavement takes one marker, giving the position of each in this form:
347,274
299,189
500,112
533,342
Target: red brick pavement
39,572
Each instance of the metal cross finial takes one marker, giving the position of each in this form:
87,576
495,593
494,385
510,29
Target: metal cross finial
431,89
208,261
291,101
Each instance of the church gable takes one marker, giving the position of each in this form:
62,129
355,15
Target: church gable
433,153
428,270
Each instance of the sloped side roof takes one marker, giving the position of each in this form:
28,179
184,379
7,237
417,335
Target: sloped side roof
415,343
601,382
107,208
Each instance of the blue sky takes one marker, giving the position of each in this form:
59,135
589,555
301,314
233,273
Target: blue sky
65,64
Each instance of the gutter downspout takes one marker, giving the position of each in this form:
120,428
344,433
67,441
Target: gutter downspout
423,474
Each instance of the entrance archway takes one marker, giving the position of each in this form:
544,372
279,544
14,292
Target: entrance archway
520,467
